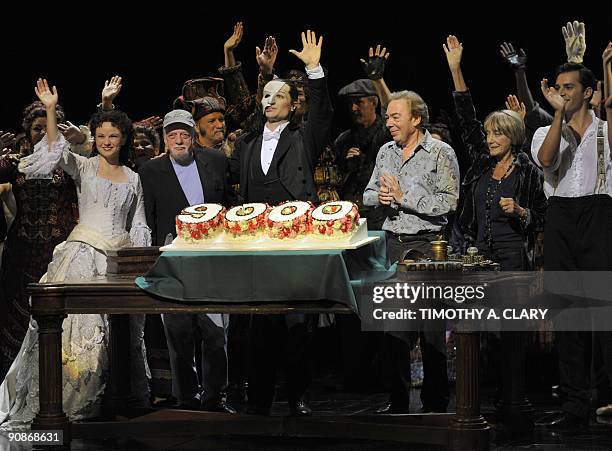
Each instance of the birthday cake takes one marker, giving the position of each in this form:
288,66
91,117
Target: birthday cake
199,222
335,220
246,222
290,220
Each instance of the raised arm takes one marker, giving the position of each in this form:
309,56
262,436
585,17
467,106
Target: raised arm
574,35
231,44
454,51
518,63
110,91
374,67
320,112
607,90
265,60
549,150
53,149
472,132
49,98
512,103
311,50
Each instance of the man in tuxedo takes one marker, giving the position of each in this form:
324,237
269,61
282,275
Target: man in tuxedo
275,163
185,176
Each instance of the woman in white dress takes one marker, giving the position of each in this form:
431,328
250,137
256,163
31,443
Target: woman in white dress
112,216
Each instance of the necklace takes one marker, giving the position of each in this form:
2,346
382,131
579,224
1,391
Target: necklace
492,187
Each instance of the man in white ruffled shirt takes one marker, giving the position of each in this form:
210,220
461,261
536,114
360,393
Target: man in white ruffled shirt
574,152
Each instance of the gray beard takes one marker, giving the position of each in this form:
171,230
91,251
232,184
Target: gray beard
184,160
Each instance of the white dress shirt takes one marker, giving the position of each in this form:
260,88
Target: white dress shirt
268,145
574,171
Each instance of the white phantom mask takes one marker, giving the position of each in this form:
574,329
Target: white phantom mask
269,93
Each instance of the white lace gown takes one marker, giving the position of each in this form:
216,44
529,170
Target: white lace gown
115,211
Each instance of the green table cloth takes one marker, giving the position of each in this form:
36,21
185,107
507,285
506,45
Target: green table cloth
268,276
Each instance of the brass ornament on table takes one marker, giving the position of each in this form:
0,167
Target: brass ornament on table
439,248
445,260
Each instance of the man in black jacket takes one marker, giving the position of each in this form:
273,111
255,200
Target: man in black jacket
275,163
181,178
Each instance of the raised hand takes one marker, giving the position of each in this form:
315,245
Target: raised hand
235,38
267,57
552,96
153,121
512,103
6,139
47,96
514,60
111,89
311,51
374,67
575,41
597,96
453,50
607,55
71,132
233,136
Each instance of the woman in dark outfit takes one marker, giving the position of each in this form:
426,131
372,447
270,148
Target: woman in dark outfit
46,214
503,203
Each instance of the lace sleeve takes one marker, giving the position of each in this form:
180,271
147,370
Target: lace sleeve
140,234
44,159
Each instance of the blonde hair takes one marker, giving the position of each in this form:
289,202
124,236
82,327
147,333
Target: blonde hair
416,105
509,124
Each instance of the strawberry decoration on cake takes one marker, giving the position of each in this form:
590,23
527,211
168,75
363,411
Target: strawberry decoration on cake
199,222
246,221
336,219
290,220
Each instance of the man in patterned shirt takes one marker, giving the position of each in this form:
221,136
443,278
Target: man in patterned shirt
416,175
417,178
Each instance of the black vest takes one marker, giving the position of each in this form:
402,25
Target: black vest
265,187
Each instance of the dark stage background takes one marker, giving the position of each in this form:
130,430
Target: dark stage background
157,48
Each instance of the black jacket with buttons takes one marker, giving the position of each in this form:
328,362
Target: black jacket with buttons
297,151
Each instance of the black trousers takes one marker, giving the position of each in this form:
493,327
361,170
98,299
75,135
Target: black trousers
577,238
273,338
435,390
181,332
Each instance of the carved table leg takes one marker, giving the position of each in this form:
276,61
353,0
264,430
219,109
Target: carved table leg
469,430
51,415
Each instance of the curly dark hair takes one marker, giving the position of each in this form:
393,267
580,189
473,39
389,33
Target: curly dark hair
149,132
120,120
35,110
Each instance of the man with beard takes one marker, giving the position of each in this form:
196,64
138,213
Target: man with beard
178,179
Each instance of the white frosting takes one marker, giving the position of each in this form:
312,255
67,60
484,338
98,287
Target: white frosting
320,215
297,208
200,213
257,209
188,219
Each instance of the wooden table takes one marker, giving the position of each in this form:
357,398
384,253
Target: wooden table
118,295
